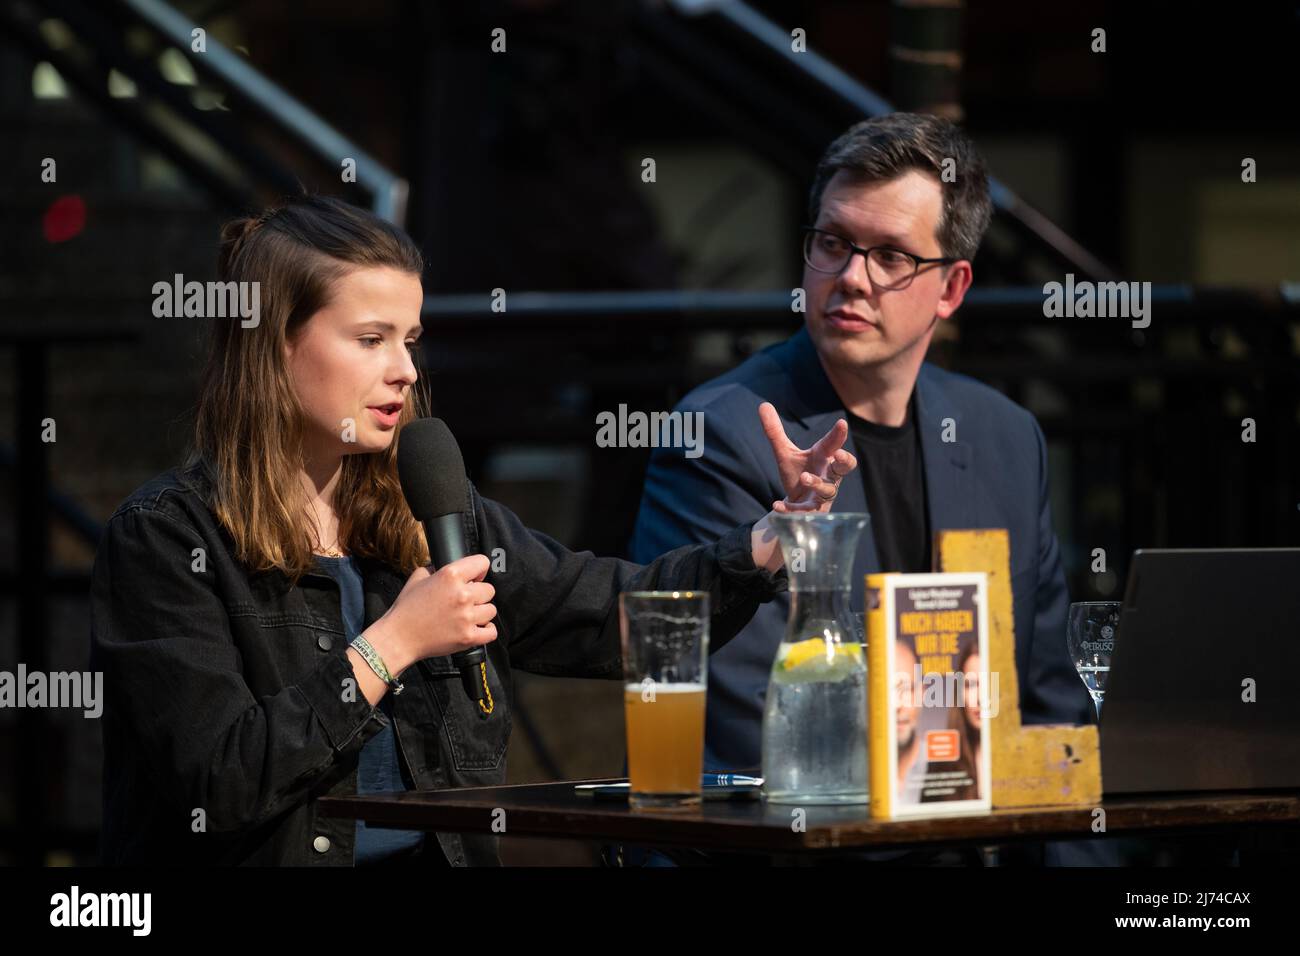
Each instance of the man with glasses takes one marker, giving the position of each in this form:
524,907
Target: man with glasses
897,209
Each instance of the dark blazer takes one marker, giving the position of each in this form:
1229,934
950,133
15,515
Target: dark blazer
226,691
994,475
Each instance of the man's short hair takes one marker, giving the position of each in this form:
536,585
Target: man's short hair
883,148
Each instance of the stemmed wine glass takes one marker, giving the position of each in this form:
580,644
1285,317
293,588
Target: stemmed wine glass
1090,634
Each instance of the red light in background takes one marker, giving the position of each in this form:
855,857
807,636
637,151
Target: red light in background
65,219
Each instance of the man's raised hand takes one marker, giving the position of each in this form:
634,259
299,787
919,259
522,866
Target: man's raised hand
810,476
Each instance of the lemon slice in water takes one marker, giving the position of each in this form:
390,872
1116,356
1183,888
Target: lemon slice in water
813,651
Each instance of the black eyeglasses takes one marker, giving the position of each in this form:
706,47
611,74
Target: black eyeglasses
887,267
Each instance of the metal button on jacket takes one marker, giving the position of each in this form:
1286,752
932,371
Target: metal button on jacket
321,844
324,642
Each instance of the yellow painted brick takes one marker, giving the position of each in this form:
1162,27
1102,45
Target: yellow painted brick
1037,765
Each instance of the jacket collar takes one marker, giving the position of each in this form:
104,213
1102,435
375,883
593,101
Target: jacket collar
379,579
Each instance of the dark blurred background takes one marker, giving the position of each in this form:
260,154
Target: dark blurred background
522,171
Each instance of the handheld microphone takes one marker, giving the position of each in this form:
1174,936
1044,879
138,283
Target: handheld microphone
432,473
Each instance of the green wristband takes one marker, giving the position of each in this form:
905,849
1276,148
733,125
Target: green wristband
376,663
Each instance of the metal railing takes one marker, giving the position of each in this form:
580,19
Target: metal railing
387,190
209,145
835,88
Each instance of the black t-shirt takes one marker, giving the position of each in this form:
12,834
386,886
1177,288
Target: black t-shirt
893,475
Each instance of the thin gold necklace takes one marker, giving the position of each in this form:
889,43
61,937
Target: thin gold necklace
332,552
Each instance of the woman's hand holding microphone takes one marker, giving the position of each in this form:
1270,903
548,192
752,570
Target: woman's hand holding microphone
436,614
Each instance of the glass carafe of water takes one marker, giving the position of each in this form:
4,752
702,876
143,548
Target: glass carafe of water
815,719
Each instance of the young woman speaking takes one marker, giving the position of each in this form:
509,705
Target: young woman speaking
254,609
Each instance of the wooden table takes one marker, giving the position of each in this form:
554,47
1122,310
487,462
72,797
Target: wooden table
555,810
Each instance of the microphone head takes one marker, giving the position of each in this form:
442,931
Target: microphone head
431,469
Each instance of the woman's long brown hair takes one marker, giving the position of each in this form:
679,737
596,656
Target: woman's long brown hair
249,426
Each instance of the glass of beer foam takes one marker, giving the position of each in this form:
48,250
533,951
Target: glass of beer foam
665,669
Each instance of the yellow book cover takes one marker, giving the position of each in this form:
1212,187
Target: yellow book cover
929,691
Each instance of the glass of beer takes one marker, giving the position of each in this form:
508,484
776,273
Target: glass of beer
665,653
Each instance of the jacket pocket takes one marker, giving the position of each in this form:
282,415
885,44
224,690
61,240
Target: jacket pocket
477,739
295,645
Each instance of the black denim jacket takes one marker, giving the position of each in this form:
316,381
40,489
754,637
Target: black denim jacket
225,714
